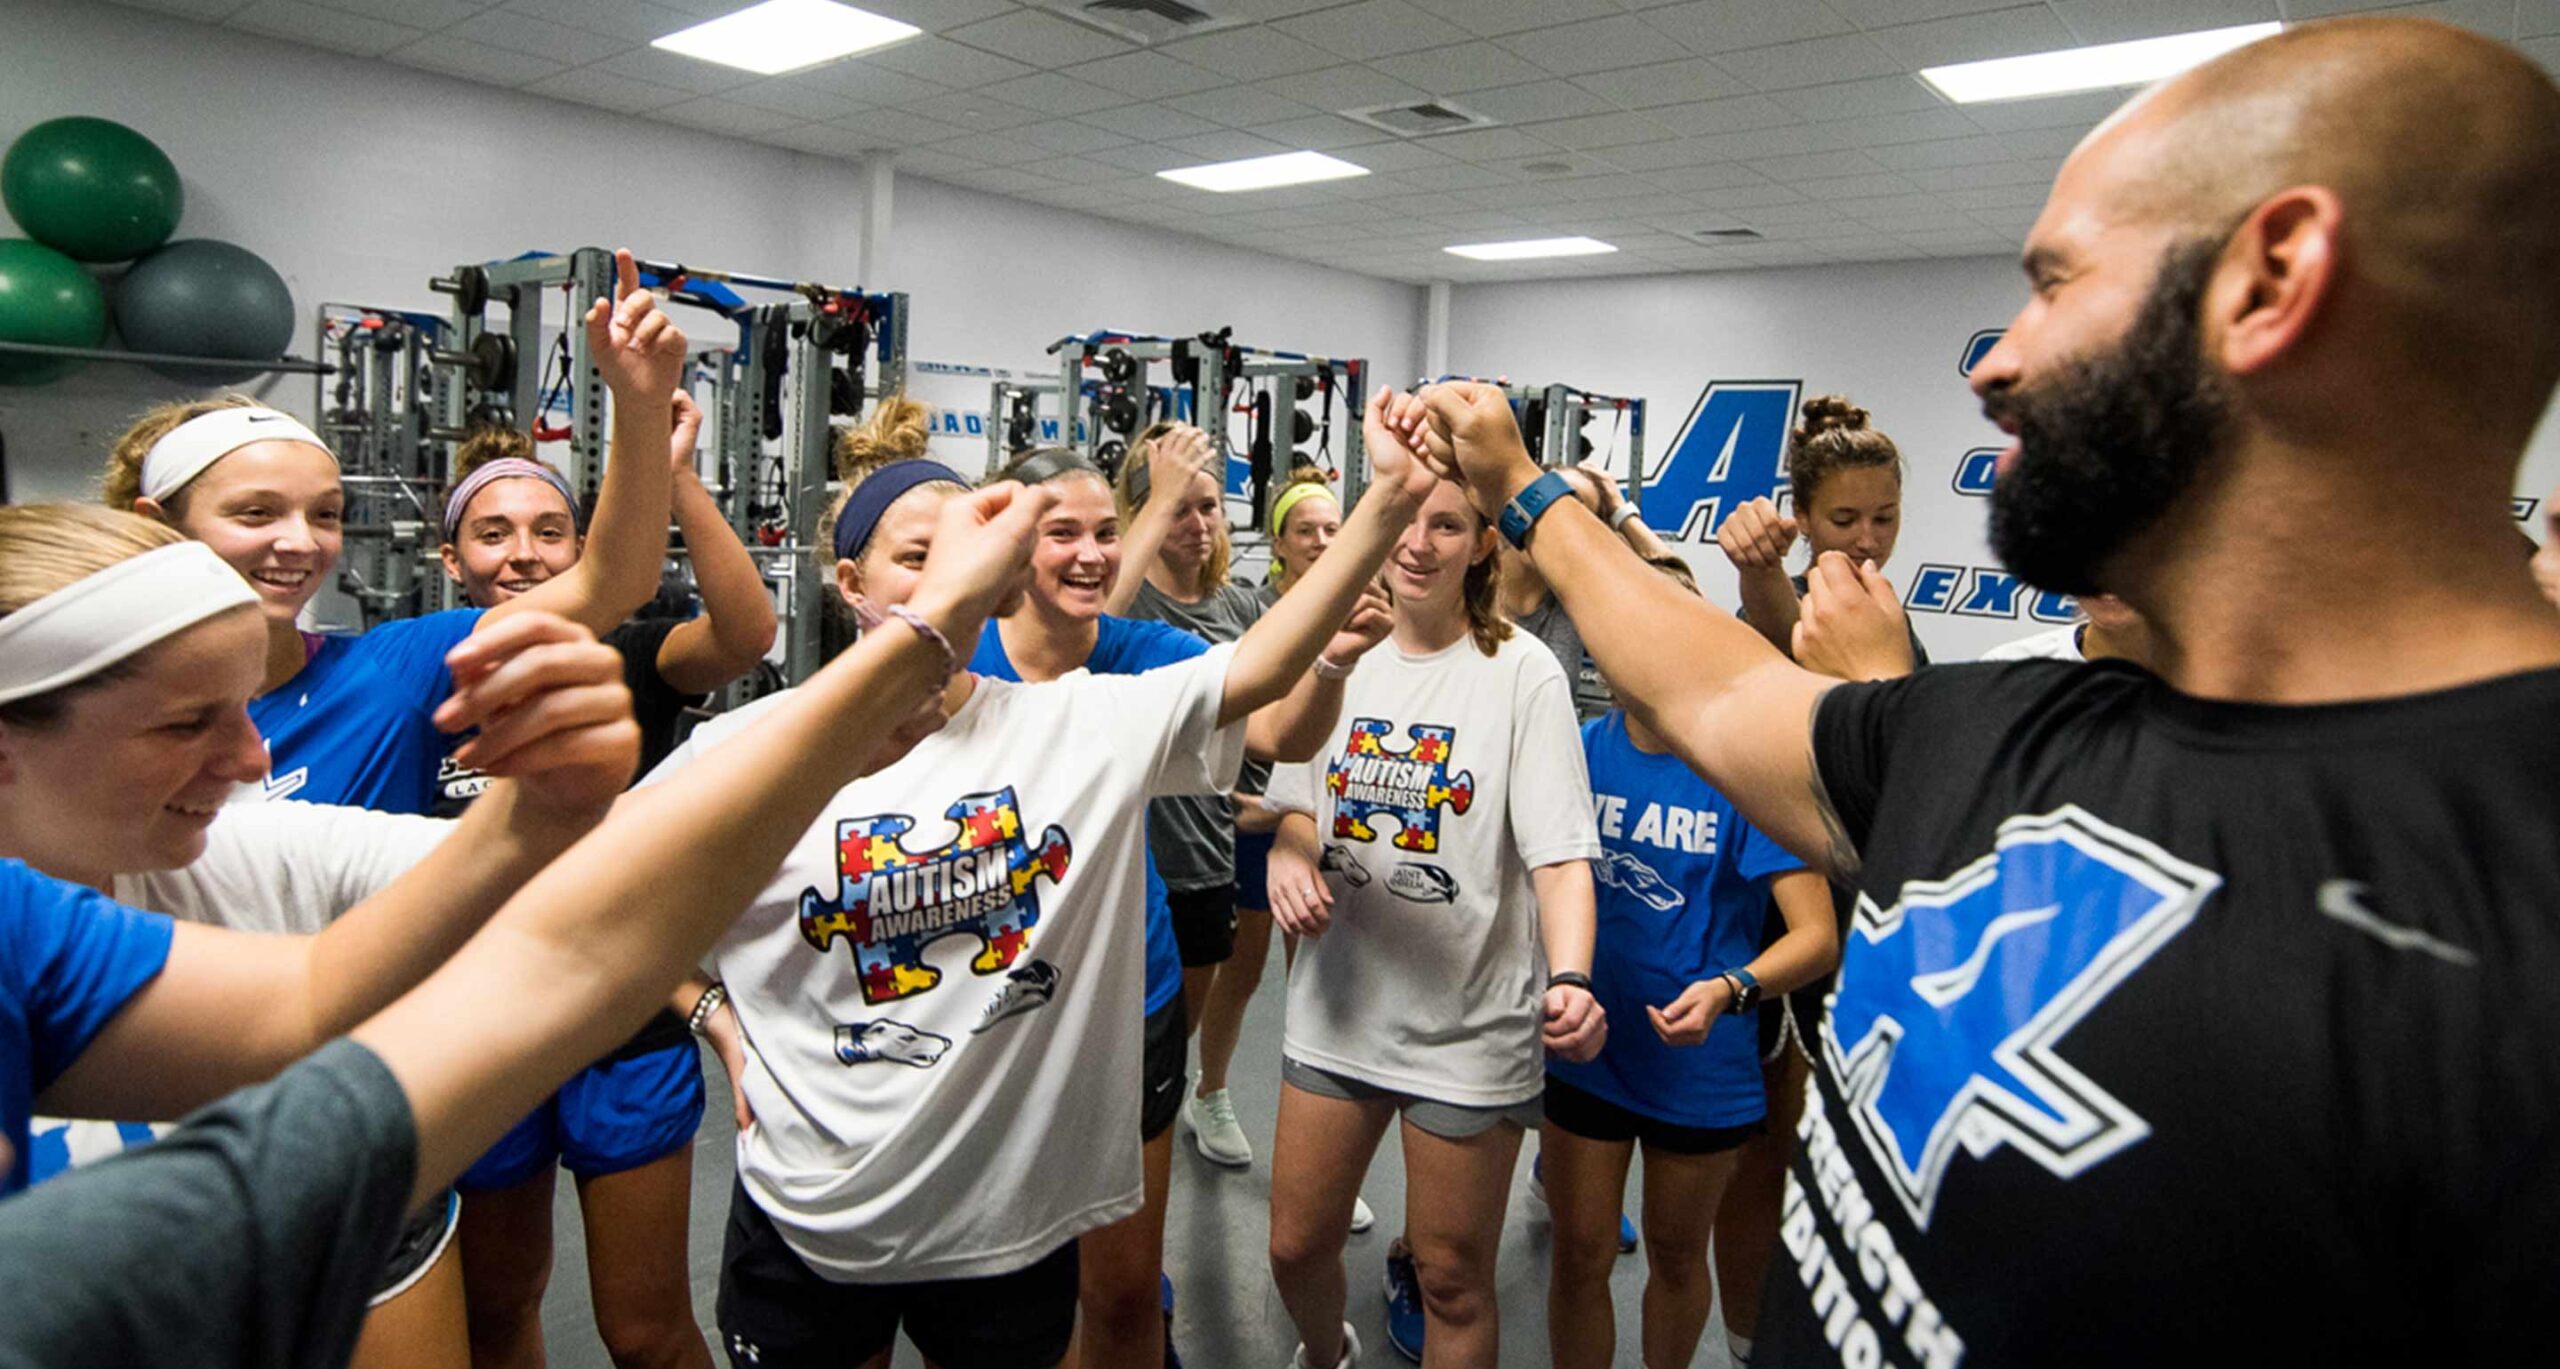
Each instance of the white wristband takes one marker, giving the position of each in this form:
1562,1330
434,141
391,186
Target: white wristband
1327,670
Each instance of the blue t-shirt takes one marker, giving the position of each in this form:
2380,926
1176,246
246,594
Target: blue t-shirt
1683,882
1124,646
69,959
354,727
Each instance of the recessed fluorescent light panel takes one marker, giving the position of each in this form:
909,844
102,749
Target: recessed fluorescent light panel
786,35
2139,62
1532,247
1262,173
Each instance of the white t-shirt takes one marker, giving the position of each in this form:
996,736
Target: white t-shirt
1447,780
2061,644
940,987
286,866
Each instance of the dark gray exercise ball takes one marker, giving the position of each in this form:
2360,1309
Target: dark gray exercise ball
203,298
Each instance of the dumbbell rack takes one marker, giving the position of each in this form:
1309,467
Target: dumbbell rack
1103,397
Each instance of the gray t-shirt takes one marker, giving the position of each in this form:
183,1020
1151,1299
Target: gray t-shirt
1548,623
251,1235
1193,837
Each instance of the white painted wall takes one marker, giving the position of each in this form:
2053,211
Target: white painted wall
1889,335
360,179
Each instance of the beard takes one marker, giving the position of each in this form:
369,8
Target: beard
2113,437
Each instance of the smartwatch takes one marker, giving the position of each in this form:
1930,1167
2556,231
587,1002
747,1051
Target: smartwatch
1746,991
1526,507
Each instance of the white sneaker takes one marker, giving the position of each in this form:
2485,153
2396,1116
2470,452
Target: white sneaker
1350,1351
1212,1117
1361,1217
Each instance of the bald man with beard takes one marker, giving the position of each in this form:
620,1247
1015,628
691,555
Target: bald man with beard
2208,1013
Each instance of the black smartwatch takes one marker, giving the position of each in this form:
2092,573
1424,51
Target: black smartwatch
1575,978
1746,990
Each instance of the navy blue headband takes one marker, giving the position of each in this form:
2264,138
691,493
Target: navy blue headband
878,490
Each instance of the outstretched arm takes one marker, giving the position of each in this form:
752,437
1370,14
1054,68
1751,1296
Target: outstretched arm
1277,650
1734,709
639,352
1171,462
737,623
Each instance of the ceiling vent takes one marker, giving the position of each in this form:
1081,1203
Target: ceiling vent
1419,120
1726,234
1147,22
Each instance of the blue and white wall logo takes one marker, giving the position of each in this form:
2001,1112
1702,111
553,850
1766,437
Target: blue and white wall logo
1732,450
1977,471
1952,1002
1983,592
1977,347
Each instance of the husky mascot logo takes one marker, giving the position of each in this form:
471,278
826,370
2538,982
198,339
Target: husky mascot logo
1952,1002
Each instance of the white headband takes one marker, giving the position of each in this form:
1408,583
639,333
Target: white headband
82,628
184,451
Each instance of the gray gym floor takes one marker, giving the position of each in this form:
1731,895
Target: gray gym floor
1226,1316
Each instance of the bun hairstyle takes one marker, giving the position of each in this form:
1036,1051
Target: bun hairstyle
897,430
487,444
1213,572
1834,437
49,547
123,482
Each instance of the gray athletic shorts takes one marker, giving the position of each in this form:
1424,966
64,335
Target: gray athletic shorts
1448,1121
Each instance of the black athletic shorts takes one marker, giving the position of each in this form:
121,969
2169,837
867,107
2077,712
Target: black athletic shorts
1204,924
1168,1064
1594,1118
777,1313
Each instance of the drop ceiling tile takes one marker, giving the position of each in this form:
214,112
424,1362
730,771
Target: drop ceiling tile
1451,176
1855,187
823,140
977,113
988,149
1898,94
2041,144
1250,54
2537,18
1336,89
1879,13
726,116
603,89
1973,199
1885,130
480,62
1793,141
1147,75
934,15
786,95
897,128
1005,181
872,85
2059,111
1664,83
1243,107
1041,40
1709,118
1493,18
1458,68
926,162
1977,177
1144,158
1085,170
1321,132
1399,154
1816,166
1067,135
1893,207
1076,196
1551,99
637,20
1150,121
2014,223
1226,145
1712,26
667,69
1594,45
1053,93
944,62
539,37
1969,151
1373,28
1716,177
1974,37
2112,21
1488,145
324,28
1751,200
1786,215
1597,131
1814,62
207,11
421,14
1657,156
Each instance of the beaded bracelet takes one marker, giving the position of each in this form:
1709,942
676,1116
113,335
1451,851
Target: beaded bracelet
866,617
706,1005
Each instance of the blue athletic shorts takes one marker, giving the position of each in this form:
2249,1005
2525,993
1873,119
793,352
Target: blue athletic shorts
614,1115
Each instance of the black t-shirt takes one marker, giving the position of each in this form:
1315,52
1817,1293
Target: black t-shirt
2175,1033
657,706
251,1235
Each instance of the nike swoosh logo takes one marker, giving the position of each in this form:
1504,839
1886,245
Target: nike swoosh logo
2342,900
1946,986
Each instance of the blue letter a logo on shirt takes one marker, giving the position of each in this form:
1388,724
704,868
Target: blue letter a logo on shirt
1952,1001
1732,450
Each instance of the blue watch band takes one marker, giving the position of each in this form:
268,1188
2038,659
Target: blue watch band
1526,507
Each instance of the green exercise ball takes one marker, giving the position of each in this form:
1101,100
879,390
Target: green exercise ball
45,297
91,188
202,298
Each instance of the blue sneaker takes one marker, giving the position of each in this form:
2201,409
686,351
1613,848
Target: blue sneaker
1171,1360
1538,1195
1404,1304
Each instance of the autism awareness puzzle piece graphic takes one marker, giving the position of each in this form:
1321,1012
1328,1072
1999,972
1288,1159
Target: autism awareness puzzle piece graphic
980,883
1412,786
